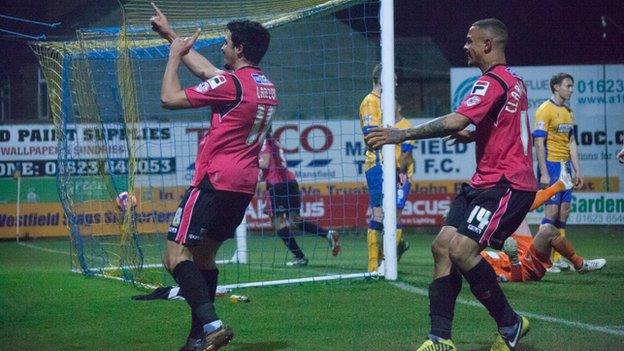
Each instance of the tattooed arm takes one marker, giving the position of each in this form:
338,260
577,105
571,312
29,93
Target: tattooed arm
439,127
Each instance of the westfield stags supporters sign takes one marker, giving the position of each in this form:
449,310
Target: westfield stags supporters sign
101,217
336,211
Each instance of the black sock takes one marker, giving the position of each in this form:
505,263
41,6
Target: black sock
484,286
442,295
312,228
211,277
290,242
194,289
197,329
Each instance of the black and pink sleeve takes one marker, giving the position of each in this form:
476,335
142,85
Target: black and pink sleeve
214,91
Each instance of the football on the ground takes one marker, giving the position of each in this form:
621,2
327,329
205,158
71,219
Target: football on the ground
124,200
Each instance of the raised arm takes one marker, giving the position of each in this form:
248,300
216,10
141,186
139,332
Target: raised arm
171,93
439,127
194,61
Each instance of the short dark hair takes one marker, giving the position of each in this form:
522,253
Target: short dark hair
496,27
558,79
377,74
252,36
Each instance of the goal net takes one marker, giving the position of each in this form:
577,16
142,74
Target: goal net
124,162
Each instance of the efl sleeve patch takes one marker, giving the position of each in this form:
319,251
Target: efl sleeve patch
202,87
480,87
472,101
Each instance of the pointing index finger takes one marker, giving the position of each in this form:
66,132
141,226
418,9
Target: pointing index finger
156,9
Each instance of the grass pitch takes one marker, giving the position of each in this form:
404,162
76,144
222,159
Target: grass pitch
43,306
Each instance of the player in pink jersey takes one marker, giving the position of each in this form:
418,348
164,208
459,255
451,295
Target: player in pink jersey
285,201
501,191
242,100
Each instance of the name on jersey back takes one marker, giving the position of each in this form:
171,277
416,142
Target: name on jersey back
516,93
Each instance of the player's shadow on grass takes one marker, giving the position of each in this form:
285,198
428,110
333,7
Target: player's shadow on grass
258,346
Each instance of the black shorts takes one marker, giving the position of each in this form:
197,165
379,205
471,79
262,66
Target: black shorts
206,211
285,197
489,216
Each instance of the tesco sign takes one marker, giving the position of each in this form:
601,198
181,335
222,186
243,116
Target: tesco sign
314,138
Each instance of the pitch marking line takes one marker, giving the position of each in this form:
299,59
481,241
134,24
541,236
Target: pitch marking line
579,325
35,247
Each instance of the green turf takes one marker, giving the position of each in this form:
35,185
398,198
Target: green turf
45,307
267,257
